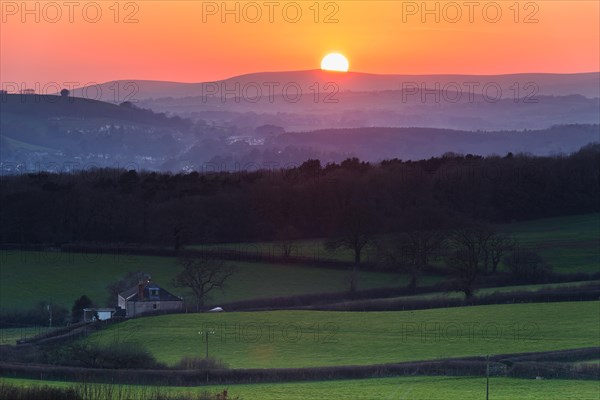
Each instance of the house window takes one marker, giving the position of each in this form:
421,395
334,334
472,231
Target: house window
154,306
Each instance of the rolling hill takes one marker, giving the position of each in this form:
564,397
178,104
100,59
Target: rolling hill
585,84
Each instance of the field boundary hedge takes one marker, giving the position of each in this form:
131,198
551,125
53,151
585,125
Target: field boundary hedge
589,292
218,253
500,365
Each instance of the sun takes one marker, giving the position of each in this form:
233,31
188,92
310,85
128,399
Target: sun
335,62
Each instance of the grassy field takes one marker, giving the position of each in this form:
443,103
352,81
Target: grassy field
27,278
11,335
480,292
570,244
310,338
310,248
400,388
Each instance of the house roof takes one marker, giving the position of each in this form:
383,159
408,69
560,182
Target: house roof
131,294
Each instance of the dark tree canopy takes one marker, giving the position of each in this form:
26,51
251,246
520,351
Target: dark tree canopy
527,265
354,230
202,275
336,201
410,252
78,306
466,254
128,281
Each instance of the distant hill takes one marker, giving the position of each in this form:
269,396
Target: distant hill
315,99
46,106
53,129
376,144
585,84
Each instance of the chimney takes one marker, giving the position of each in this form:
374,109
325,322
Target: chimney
141,286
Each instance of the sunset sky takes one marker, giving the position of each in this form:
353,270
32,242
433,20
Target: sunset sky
187,41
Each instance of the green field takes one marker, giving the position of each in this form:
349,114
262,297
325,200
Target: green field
400,388
569,244
27,278
281,339
11,335
309,248
457,295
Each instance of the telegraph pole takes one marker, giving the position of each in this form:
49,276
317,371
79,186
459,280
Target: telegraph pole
206,356
205,334
487,378
49,308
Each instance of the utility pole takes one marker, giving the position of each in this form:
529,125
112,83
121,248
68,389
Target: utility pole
206,356
487,378
205,334
49,308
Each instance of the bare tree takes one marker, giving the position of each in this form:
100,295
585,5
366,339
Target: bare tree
527,265
203,275
410,252
354,231
499,244
468,249
286,239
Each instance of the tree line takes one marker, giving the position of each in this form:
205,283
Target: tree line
306,201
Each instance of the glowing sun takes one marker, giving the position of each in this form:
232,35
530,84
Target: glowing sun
335,62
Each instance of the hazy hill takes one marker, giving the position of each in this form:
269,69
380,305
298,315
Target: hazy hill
376,144
50,130
586,84
38,129
315,99
46,106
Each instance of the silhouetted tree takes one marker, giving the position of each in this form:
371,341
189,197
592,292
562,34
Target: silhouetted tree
130,280
203,275
526,265
498,245
286,239
78,306
467,249
354,230
64,93
410,252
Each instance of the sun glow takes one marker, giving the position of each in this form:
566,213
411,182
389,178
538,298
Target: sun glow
335,62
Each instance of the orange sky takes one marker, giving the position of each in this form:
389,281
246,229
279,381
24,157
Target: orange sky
171,41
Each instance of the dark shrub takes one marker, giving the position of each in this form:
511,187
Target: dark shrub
85,391
199,363
40,315
527,266
11,392
77,309
113,356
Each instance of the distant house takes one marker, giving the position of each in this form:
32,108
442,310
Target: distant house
147,296
97,314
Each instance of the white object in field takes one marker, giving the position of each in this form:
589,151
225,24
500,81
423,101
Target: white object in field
216,309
